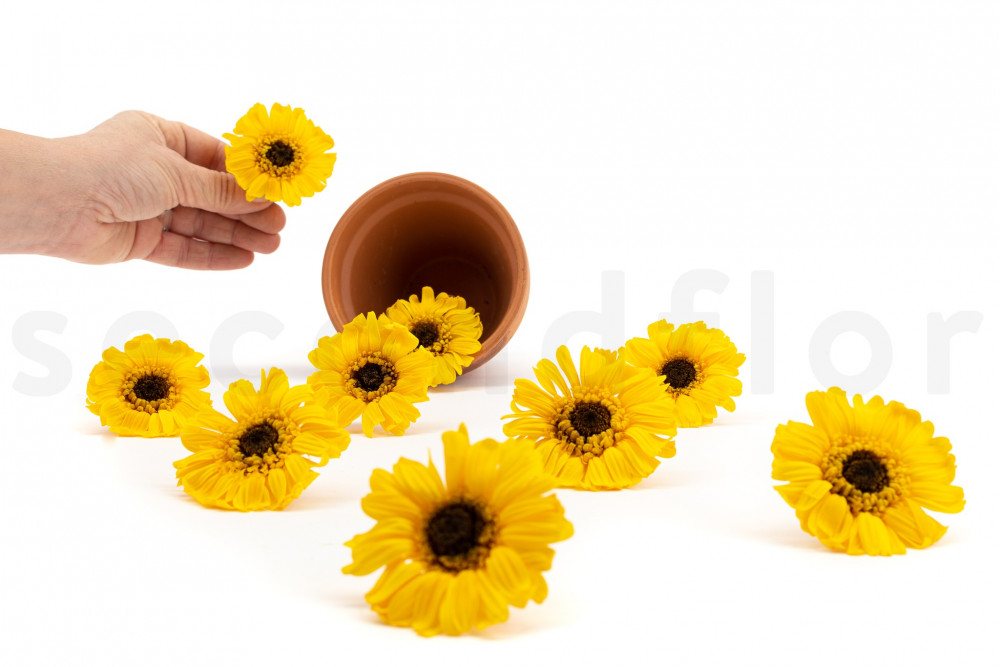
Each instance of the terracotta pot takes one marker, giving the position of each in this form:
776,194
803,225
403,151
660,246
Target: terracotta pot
428,229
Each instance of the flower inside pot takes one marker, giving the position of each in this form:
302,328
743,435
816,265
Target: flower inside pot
429,229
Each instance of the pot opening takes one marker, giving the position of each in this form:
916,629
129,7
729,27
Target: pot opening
449,243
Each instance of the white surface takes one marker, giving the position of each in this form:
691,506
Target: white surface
848,150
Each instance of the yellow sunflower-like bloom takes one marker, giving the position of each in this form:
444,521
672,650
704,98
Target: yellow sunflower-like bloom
599,429
698,365
860,475
265,458
444,326
150,389
610,355
281,156
458,553
374,369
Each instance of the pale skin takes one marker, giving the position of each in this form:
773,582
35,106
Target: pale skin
135,187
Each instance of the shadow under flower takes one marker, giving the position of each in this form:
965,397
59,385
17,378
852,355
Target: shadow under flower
319,500
94,430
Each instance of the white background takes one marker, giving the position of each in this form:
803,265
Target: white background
845,151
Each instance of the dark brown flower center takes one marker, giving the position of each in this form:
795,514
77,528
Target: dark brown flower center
866,472
426,333
455,529
280,154
258,439
679,373
151,388
370,376
590,419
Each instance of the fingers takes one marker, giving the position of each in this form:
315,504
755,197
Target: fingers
187,253
194,145
214,226
203,182
253,232
220,244
215,191
200,173
270,220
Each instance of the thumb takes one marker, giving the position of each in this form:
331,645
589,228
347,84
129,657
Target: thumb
215,191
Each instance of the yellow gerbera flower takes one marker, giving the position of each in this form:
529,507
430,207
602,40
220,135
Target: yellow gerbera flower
150,389
374,369
860,476
457,554
610,355
599,429
260,461
282,156
698,365
444,326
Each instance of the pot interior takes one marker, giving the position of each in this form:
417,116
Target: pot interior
399,241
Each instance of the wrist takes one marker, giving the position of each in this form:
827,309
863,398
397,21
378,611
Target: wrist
31,212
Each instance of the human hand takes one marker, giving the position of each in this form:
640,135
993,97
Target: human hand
135,187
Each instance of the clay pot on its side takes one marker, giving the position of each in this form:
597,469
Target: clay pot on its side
428,229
